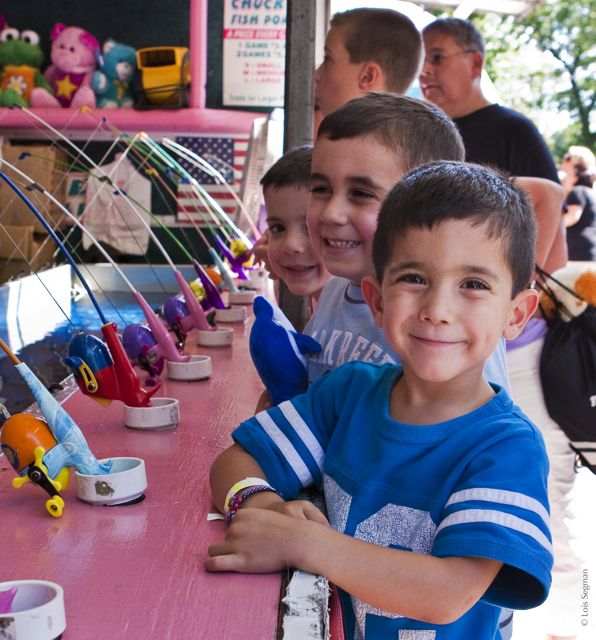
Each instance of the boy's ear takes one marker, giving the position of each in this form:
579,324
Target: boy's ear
371,77
371,291
523,307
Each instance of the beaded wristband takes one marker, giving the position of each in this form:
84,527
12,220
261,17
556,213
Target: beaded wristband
241,496
243,484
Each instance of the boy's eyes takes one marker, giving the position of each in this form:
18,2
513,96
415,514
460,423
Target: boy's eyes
475,284
319,189
411,278
275,228
415,278
360,193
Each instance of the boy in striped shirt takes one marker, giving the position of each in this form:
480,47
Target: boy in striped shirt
435,483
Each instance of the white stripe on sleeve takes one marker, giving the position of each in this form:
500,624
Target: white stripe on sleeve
286,447
306,435
469,516
501,496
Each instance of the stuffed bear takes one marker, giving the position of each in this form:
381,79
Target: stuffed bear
20,59
74,55
577,276
111,83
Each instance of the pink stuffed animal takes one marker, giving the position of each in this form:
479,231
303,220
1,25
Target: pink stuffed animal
74,55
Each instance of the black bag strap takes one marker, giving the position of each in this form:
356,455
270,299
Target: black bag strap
545,275
546,288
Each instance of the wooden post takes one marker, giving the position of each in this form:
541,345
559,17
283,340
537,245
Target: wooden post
298,106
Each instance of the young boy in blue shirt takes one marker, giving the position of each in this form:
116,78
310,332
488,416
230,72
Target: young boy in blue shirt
435,483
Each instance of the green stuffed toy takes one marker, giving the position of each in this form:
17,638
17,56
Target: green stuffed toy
20,60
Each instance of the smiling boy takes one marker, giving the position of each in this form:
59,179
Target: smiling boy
362,149
286,191
435,483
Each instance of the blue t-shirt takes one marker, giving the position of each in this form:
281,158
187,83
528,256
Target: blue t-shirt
473,486
343,324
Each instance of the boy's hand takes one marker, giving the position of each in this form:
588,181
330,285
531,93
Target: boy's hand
302,509
261,253
262,540
258,541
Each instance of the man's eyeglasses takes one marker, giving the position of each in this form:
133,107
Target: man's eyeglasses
436,59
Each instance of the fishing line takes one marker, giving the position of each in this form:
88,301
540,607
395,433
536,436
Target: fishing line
43,284
27,187
67,255
204,198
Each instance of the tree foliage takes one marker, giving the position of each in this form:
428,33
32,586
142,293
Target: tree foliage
566,79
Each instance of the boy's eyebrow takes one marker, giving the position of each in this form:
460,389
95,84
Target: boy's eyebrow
466,268
366,181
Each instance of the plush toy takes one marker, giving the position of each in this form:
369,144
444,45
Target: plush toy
74,55
116,70
578,277
20,60
277,351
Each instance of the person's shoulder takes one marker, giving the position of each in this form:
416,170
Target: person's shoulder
582,192
512,118
517,424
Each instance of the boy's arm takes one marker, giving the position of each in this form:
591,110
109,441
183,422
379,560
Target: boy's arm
423,587
231,466
235,464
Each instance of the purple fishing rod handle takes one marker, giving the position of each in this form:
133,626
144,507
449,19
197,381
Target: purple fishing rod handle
212,297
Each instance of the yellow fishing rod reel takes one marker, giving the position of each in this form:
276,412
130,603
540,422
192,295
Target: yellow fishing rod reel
25,439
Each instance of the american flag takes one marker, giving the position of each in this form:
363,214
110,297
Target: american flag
227,154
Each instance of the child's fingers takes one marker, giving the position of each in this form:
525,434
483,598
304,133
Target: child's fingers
219,548
226,562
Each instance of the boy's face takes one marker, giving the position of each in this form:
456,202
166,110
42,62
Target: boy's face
290,250
349,181
445,300
336,79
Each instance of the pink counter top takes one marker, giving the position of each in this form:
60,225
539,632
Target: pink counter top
136,572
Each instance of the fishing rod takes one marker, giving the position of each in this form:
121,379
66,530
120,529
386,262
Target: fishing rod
110,376
176,317
197,161
149,352
219,337
148,348
42,452
225,311
224,271
212,296
195,310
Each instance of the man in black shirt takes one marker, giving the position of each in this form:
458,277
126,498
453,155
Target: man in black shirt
492,134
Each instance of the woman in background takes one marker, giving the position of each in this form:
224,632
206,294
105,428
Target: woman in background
579,168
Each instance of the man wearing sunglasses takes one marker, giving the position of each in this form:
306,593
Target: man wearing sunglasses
495,135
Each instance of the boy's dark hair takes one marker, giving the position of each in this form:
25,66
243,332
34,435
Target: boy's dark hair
417,132
386,37
459,191
291,170
462,31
